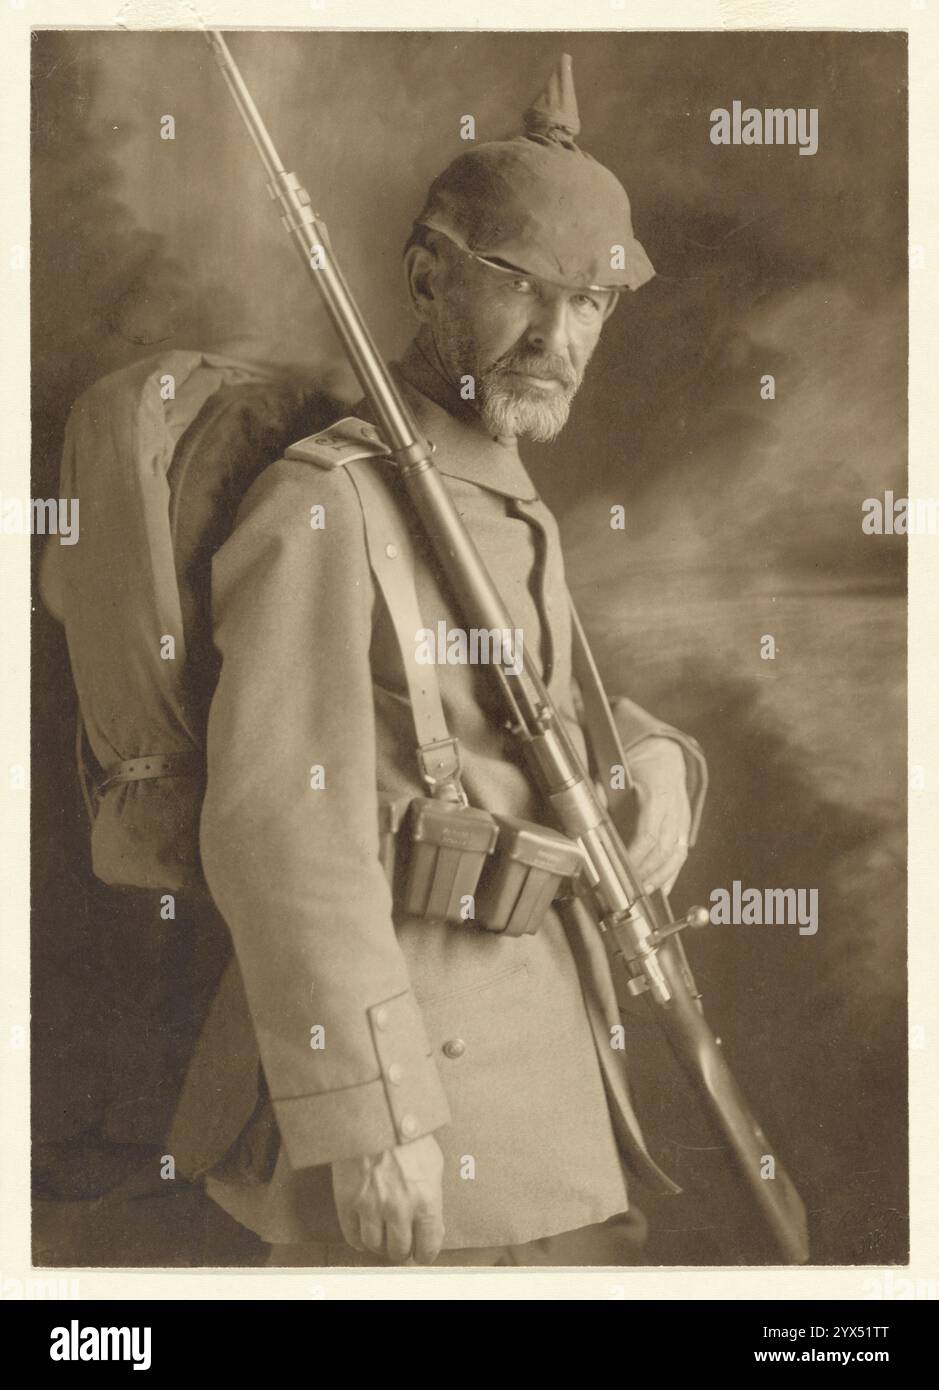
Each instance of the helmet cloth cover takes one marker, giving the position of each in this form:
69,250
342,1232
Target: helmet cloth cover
539,204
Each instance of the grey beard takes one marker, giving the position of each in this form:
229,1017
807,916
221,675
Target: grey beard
504,407
507,411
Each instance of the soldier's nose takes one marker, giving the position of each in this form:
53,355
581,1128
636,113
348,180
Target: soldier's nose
548,333
551,341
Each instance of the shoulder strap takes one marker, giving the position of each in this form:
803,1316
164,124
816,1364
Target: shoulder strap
344,442
356,446
391,556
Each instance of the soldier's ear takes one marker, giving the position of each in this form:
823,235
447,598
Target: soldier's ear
422,267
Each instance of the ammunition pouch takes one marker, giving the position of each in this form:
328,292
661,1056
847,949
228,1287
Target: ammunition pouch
532,867
449,846
459,864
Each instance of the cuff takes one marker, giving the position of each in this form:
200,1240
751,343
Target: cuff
404,1102
635,724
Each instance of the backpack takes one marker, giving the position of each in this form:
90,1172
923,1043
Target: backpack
159,456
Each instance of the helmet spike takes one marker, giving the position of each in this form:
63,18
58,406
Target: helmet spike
553,115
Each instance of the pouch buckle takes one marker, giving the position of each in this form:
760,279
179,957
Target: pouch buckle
440,766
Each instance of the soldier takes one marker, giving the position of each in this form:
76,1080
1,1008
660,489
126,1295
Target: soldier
427,1091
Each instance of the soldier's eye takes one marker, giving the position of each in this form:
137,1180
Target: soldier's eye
522,286
587,304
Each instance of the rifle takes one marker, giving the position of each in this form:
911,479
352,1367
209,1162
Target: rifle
640,929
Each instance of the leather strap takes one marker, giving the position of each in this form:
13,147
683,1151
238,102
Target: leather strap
392,560
608,751
189,763
605,742
184,764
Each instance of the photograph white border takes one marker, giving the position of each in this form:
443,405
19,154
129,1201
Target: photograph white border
921,19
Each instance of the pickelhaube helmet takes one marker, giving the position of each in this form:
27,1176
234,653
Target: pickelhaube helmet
539,204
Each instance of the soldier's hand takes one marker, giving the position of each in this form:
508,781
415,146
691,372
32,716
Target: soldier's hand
391,1203
659,844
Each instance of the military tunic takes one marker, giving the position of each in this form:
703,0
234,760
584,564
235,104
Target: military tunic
500,1046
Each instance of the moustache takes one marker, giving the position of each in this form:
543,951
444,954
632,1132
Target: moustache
551,368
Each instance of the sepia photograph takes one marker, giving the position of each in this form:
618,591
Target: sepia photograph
469,514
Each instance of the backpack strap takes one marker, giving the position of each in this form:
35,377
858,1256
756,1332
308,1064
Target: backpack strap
186,763
356,445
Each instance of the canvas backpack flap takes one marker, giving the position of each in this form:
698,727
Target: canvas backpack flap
118,593
238,433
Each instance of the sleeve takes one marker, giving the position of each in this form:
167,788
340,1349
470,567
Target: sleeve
289,831
635,724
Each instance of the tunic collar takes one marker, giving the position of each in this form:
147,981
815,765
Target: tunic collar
463,447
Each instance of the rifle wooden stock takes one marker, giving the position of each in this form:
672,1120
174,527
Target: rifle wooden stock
631,920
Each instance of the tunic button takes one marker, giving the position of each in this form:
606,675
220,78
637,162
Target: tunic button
381,1017
409,1126
395,1073
391,551
454,1048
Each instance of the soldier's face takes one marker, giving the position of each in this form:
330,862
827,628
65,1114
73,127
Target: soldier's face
524,342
